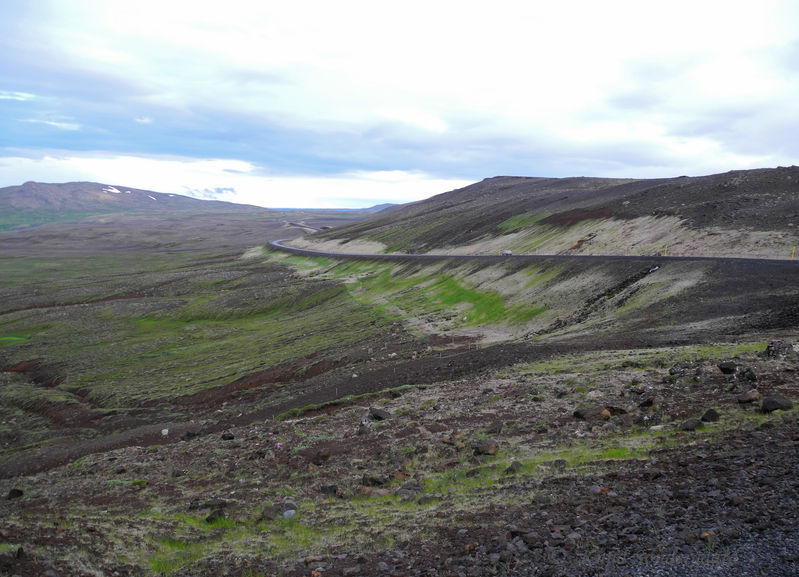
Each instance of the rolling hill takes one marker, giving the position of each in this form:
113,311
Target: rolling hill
739,213
96,197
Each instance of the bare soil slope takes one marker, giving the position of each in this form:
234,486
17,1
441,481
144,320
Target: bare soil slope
540,213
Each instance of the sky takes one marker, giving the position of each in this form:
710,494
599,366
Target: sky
356,103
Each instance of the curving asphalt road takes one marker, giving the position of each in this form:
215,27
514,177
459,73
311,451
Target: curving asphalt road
652,260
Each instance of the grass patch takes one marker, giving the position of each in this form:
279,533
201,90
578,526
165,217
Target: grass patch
519,222
173,554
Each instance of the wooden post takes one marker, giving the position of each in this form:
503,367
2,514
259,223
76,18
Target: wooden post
793,253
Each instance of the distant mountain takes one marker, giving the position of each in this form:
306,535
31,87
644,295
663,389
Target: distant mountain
381,207
753,212
96,197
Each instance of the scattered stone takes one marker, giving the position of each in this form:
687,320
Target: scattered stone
378,414
711,416
749,396
271,513
691,424
780,349
215,515
514,468
164,432
329,490
370,480
289,509
51,573
729,367
14,494
773,403
679,370
485,447
207,504
749,374
321,457
409,490
593,414
228,436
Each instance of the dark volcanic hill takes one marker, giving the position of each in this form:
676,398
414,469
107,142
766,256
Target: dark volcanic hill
753,211
96,197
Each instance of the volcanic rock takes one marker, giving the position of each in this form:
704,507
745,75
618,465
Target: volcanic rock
749,396
691,424
779,350
378,414
485,447
729,367
773,403
593,414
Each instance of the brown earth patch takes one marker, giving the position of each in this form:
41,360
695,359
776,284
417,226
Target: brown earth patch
37,371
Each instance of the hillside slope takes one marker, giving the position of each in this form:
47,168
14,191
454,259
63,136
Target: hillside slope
96,197
739,213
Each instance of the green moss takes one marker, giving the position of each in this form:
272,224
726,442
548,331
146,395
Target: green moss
173,554
520,221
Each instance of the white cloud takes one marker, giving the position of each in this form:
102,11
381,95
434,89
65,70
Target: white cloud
19,96
228,180
577,85
61,125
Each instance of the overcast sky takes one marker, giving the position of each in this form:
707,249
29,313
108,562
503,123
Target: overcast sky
339,103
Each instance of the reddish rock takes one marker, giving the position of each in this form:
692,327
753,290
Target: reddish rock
749,396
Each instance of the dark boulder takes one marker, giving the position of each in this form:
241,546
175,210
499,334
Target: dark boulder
378,414
485,447
773,403
779,350
691,424
729,367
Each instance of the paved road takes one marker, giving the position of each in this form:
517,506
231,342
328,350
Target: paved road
655,260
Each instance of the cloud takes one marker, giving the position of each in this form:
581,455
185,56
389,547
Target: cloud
228,179
451,90
61,125
20,96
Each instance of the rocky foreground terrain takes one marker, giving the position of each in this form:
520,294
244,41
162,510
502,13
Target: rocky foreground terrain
178,398
660,462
